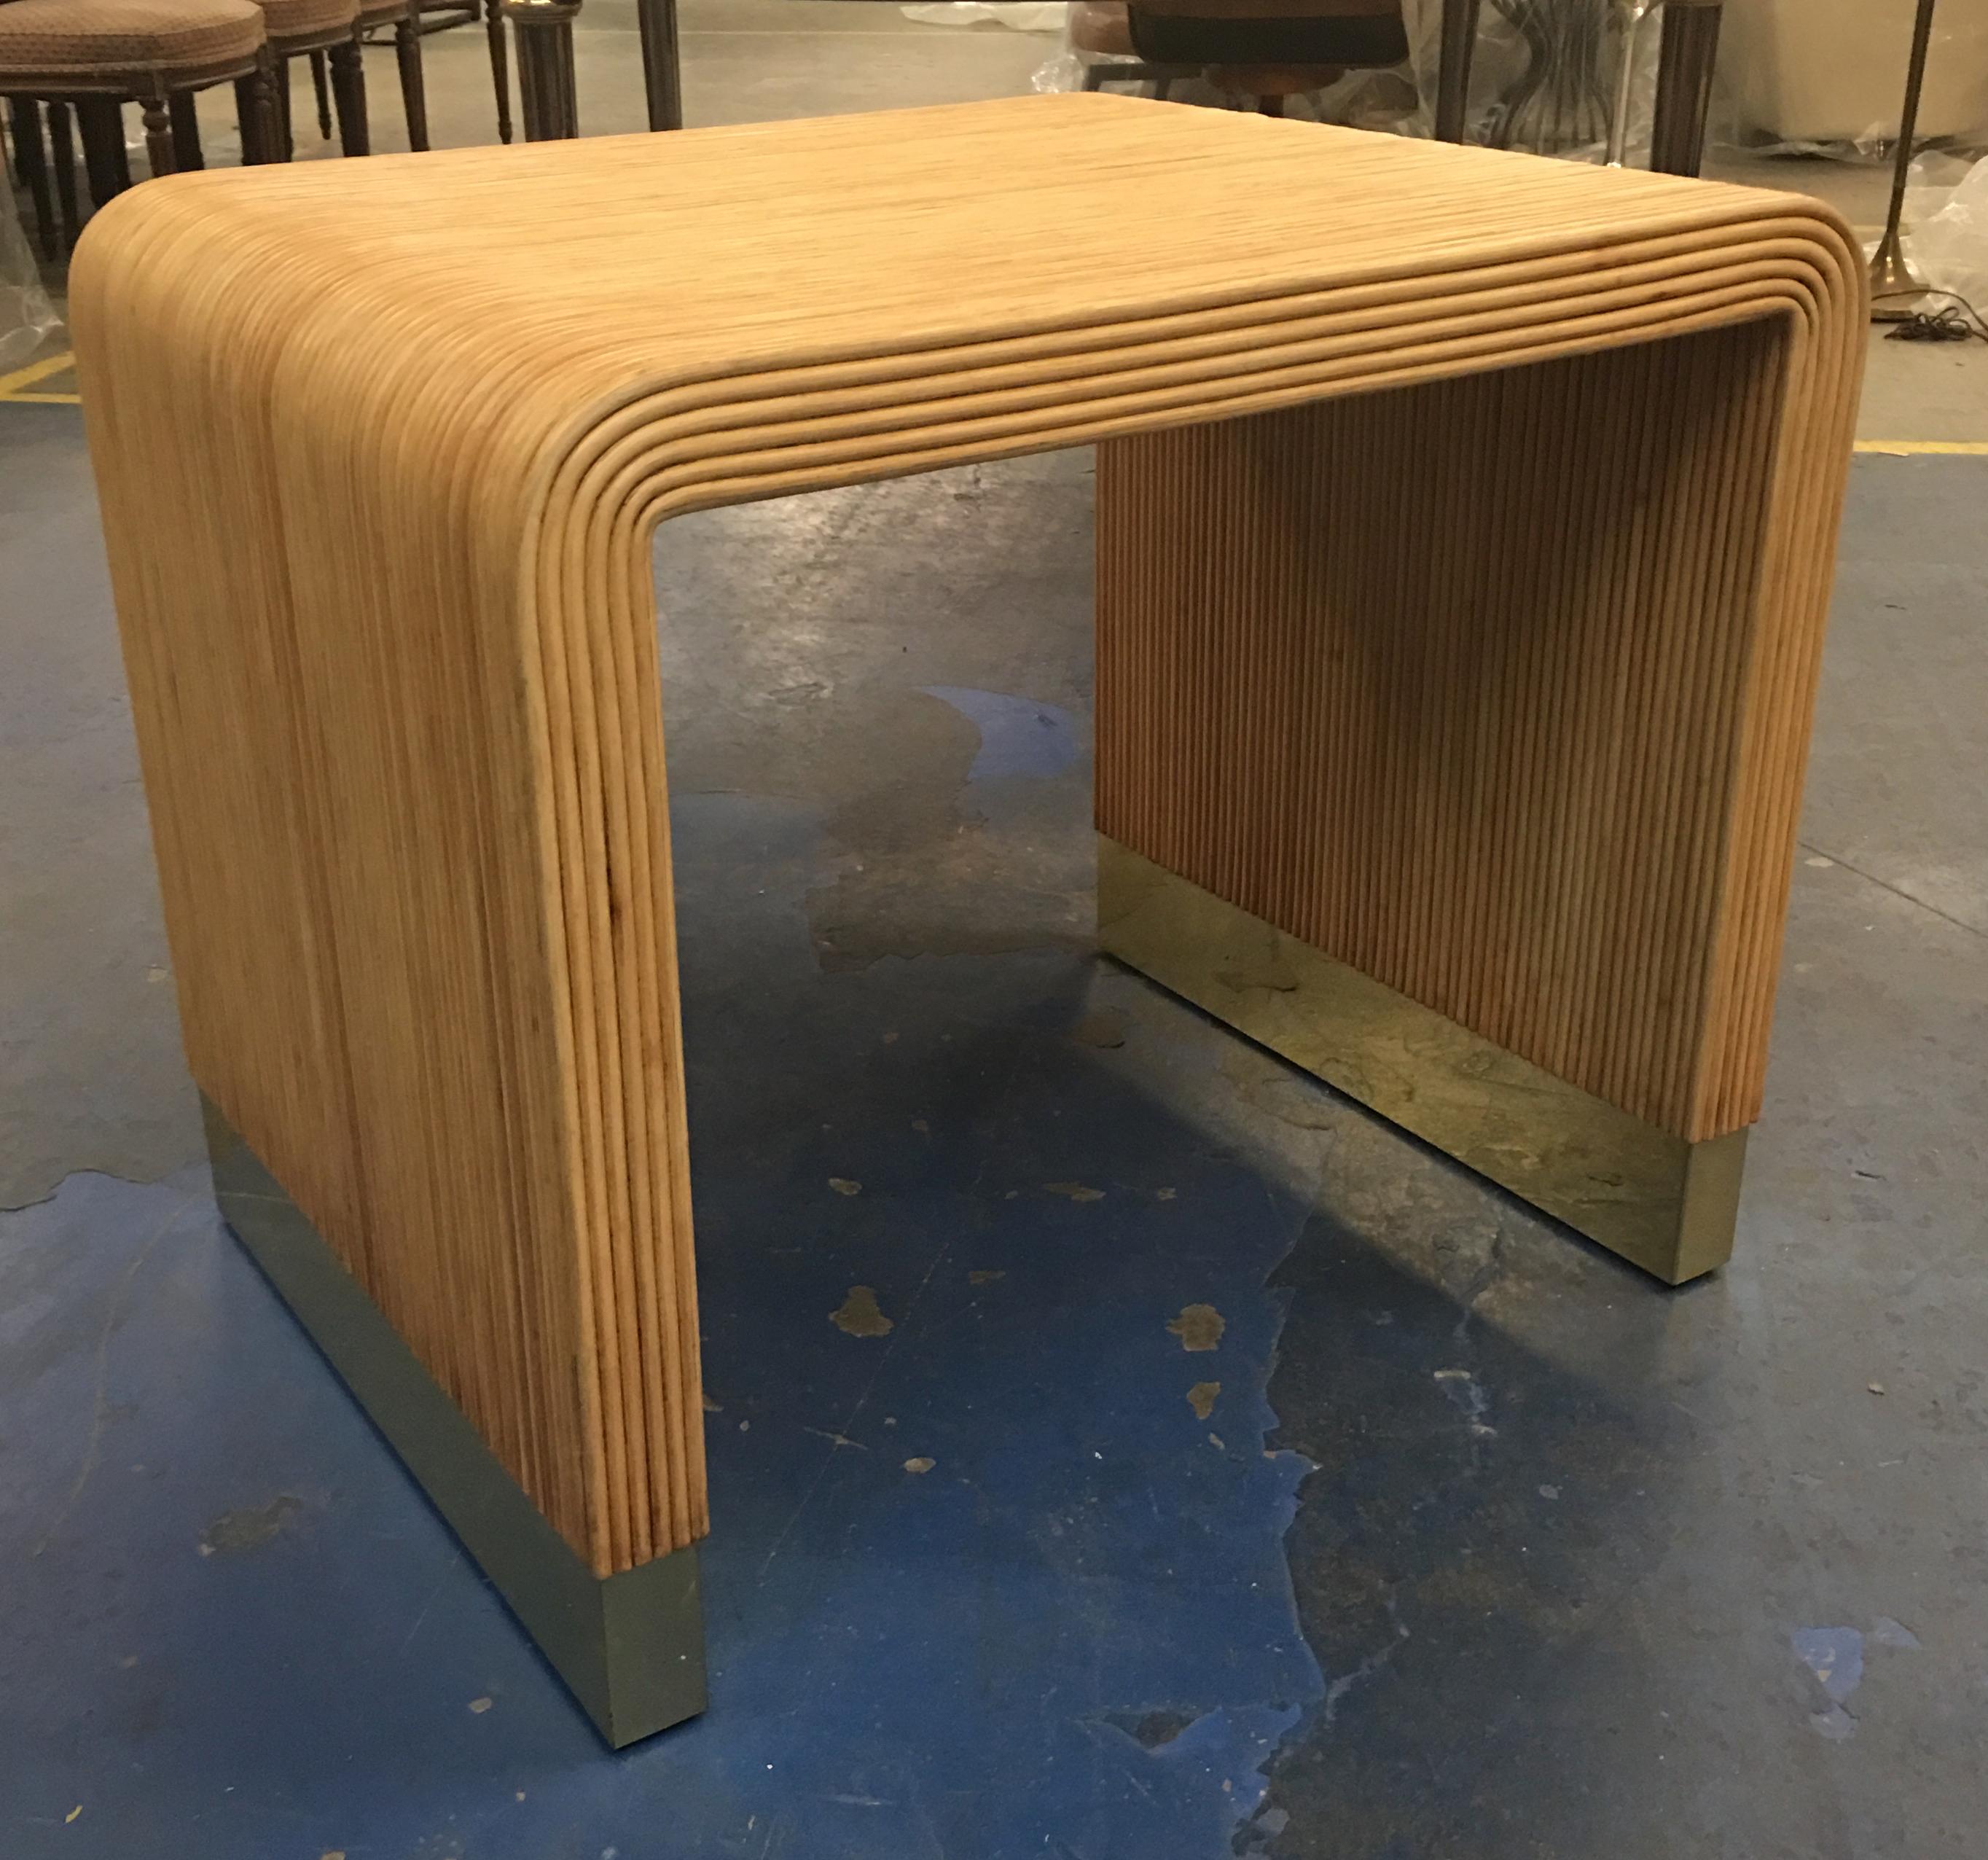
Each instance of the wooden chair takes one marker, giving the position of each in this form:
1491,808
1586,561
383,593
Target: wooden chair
93,56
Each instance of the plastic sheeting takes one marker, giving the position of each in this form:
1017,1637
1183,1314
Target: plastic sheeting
1024,15
27,317
1946,210
1827,77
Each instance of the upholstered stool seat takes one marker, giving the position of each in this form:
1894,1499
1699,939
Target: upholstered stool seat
47,41
92,57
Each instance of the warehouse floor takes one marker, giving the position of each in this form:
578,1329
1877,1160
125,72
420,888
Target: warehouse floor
1463,1540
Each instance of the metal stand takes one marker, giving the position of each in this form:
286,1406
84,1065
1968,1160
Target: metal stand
1897,291
630,1646
551,103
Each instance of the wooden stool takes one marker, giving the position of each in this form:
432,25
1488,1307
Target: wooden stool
95,56
1465,526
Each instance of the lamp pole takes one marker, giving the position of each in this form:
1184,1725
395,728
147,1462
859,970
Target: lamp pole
1896,289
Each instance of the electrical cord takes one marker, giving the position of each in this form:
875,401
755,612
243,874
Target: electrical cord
1955,321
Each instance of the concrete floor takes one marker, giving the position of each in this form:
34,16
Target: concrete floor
1713,1586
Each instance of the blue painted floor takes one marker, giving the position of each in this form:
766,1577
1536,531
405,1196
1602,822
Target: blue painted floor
971,1569
1460,1540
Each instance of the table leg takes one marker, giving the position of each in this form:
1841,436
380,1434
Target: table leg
1401,797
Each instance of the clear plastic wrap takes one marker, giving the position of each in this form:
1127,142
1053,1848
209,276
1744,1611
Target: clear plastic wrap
1946,218
27,317
1024,15
1827,77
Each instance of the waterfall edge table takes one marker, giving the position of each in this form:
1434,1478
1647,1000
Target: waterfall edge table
1465,526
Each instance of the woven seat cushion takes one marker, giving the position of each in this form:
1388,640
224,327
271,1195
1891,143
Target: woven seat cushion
298,19
53,37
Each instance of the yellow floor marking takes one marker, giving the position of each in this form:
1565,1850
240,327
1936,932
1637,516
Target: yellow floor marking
34,372
1925,448
41,400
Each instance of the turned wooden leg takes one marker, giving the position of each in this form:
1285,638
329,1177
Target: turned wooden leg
545,66
62,157
348,87
321,88
31,163
158,134
661,62
1684,85
500,65
258,116
413,89
187,153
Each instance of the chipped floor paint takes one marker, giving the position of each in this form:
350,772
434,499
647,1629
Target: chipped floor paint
1067,1635
946,1649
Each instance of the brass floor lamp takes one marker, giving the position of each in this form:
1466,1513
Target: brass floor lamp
1898,293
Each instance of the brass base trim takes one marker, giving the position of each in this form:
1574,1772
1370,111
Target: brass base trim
1668,1206
630,1647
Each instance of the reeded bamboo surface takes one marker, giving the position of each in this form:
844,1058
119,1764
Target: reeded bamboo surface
380,446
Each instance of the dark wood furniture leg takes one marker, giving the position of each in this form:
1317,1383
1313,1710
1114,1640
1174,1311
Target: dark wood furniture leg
61,156
500,65
31,163
348,90
158,133
1459,46
545,89
661,74
321,87
1684,85
187,151
263,136
99,122
414,87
